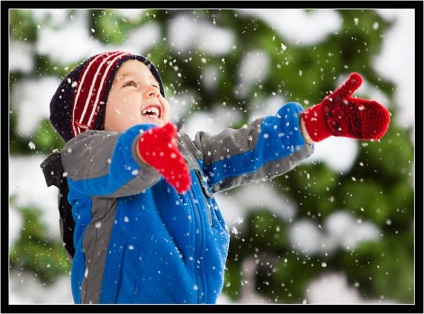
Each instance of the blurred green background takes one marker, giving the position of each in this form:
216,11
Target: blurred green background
380,269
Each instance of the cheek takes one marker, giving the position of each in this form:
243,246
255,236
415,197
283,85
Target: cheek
132,115
121,113
115,113
166,111
123,105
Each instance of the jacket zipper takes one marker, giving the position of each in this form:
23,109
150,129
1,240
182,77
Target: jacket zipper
207,193
198,238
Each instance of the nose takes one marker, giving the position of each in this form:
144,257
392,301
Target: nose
151,91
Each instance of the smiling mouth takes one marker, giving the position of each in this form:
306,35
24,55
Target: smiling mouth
151,111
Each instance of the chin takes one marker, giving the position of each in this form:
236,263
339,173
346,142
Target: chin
154,122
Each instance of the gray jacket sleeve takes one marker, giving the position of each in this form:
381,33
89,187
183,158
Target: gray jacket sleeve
265,148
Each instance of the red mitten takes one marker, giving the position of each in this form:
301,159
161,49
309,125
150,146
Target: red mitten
158,147
339,114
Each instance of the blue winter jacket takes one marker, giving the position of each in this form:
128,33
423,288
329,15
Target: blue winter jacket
140,242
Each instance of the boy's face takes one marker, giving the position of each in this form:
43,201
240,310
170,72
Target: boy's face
135,98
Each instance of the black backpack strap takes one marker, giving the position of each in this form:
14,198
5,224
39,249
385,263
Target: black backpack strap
54,175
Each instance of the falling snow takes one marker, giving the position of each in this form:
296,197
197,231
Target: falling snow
339,230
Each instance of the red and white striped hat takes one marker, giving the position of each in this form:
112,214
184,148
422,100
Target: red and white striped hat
80,100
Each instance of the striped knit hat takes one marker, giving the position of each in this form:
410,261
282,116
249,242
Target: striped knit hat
80,101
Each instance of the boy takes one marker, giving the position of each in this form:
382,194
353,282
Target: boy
147,227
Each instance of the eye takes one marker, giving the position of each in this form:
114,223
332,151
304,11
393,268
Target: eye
130,83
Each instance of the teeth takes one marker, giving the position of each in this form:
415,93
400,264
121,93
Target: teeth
151,111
